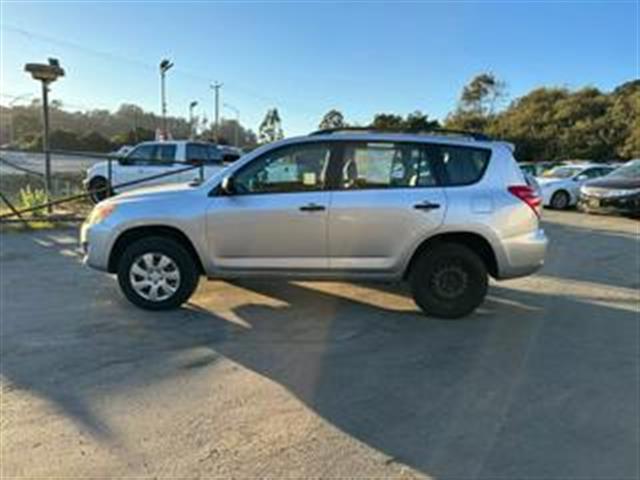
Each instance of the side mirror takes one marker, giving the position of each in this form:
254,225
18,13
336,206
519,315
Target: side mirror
580,178
227,187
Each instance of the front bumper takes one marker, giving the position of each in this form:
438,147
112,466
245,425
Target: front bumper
95,241
625,205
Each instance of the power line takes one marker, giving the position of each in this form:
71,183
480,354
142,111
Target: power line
141,64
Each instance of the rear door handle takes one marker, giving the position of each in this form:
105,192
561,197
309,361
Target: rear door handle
312,207
426,206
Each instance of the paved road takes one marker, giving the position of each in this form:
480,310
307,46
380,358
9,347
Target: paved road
317,379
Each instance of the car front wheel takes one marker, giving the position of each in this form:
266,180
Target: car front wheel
157,273
449,281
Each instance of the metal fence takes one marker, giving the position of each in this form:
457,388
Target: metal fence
23,176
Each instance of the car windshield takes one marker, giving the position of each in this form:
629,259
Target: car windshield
628,170
562,172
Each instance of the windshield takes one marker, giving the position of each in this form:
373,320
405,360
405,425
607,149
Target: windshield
562,172
628,170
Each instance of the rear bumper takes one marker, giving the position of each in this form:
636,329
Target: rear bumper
523,255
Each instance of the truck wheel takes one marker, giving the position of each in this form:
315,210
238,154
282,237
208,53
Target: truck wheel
99,189
560,200
449,281
157,273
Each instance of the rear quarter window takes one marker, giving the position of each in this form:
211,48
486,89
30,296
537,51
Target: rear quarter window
462,165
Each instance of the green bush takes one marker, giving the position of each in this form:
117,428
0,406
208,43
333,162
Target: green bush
30,198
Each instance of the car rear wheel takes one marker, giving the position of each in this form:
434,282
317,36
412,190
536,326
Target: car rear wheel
449,281
560,200
99,189
157,273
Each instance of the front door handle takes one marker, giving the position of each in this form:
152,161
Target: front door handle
426,206
312,207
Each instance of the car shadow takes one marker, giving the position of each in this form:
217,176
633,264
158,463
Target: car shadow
521,388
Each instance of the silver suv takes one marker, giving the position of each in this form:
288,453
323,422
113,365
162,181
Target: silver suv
440,211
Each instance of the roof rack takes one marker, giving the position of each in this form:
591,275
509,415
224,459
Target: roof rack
445,131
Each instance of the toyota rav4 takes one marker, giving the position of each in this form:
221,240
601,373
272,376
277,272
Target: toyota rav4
442,210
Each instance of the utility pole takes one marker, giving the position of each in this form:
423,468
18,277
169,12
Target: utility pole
165,65
216,109
46,73
236,130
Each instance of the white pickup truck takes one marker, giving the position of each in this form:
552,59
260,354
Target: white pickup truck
154,158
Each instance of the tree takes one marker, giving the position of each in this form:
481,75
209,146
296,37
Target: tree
95,142
482,94
387,121
476,108
332,119
623,116
419,122
414,122
271,127
64,140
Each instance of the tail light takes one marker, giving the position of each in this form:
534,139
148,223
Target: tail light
528,195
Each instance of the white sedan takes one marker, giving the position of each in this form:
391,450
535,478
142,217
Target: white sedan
561,185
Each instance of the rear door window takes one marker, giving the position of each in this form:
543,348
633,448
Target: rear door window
462,165
165,154
376,165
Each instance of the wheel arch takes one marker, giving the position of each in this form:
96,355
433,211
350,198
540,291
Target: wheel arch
565,191
133,234
474,241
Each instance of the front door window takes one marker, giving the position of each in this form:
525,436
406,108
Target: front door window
301,168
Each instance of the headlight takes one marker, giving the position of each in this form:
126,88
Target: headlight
100,212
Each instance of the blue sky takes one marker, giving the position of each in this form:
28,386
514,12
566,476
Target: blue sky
306,58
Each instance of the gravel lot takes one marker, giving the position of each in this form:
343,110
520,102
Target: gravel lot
301,379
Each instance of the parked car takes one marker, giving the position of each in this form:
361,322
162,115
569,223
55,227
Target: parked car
538,168
561,185
149,159
618,192
440,212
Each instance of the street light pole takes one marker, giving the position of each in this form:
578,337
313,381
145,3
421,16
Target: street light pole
237,129
45,138
192,105
216,109
46,73
165,65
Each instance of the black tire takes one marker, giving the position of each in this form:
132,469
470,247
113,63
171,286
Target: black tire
560,200
99,189
184,262
448,281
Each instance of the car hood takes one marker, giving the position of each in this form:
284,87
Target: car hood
618,183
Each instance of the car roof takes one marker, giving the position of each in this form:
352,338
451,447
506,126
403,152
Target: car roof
395,137
176,142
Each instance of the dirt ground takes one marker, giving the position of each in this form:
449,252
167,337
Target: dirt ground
313,379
